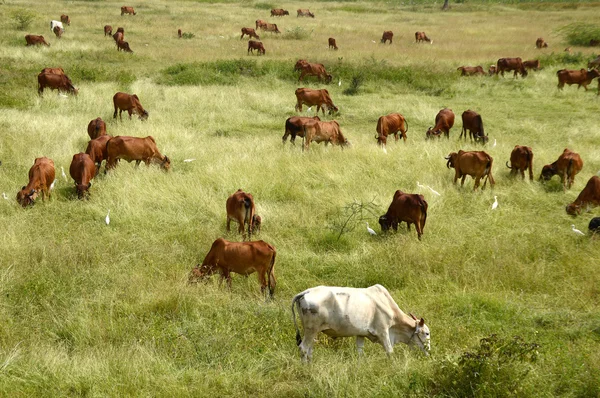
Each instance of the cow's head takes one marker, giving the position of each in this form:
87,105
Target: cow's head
26,197
482,138
331,109
432,133
144,115
83,190
592,74
384,223
201,272
451,158
165,163
328,78
420,337
573,209
285,12
381,139
548,171
310,14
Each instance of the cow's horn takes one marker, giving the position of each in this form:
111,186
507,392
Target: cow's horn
412,316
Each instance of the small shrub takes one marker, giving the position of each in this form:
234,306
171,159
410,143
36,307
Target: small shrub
353,215
23,18
563,58
354,85
580,34
188,35
297,33
264,6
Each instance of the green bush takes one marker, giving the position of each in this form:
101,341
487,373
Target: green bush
580,34
264,6
297,33
188,35
563,58
354,85
23,18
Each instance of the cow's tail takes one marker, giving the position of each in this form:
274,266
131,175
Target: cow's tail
379,127
272,281
530,163
406,121
488,172
296,299
508,165
423,206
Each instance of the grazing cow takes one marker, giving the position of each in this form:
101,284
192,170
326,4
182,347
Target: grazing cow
131,104
294,126
123,45
588,198
568,50
58,31
492,70
240,208
387,35
594,225
349,312
310,69
55,82
390,125
532,64
304,12
97,150
405,207
421,36
580,77
119,36
521,159
256,45
567,166
540,43
594,63
250,32
270,27
127,10
328,132
511,64
41,176
332,43
256,224
444,121
65,19
471,70
243,258
279,12
260,23
135,148
477,164
82,171
54,24
472,121
107,30
33,40
96,128
179,34
311,97
54,71
299,63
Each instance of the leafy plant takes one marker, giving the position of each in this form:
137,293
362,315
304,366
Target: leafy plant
188,35
580,34
355,84
297,33
353,214
23,18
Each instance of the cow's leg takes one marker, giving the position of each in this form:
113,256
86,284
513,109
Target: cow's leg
130,111
476,182
228,224
262,279
387,344
301,76
462,180
299,106
408,226
306,346
419,229
360,343
522,173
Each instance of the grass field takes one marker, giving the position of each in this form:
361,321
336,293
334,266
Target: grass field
88,309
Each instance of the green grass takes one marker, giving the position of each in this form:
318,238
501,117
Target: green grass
88,309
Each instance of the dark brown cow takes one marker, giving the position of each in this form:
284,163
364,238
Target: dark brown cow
33,40
179,34
472,121
594,63
130,103
134,148
127,10
477,164
328,132
294,126
540,43
444,121
409,208
97,150
107,30
421,36
58,31
240,208
242,258
332,43
471,70
304,12
270,27
82,171
492,70
567,166
41,177
119,36
256,45
55,82
532,64
387,35
260,23
511,64
96,128
54,71
279,12
580,77
310,69
310,97
588,198
250,32
390,125
521,159
65,19
123,45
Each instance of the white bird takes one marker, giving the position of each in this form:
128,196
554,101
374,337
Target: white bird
420,185
63,173
494,146
578,232
495,204
107,219
370,230
52,185
340,82
189,160
433,191
309,108
373,41
4,196
384,150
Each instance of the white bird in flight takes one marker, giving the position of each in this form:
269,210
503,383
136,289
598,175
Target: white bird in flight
370,230
4,196
495,204
52,185
189,160
578,232
107,219
63,173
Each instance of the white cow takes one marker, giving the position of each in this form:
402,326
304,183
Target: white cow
347,312
55,23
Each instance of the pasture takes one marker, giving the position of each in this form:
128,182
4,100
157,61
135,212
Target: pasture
89,309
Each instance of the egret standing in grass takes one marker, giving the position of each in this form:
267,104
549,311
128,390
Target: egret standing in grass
578,232
62,170
370,230
107,219
495,204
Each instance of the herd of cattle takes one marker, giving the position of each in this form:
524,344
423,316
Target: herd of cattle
336,311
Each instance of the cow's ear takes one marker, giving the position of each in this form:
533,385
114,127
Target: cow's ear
23,187
412,316
422,322
90,185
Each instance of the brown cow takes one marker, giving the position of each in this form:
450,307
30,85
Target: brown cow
299,64
96,128
97,150
580,77
472,121
387,35
390,125
521,159
135,148
421,36
477,164
532,64
55,82
53,71
256,45
41,177
567,166
279,12
471,70
304,12
294,126
179,34
250,32
33,40
328,132
270,27
82,170
65,19
123,45
332,43
130,103
260,23
240,208
312,97
444,121
511,64
127,10
119,36
492,70
310,69
58,31
243,258
540,43
409,208
588,198
594,63
107,30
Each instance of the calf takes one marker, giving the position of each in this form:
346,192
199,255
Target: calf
279,12
540,43
179,34
310,69
567,166
55,82
260,23
521,159
41,177
511,64
130,103
250,32
127,10
107,30
421,37
472,121
82,171
588,198
96,128
409,208
470,70
332,43
58,31
390,125
240,208
134,148
580,77
270,27
477,164
54,24
304,12
119,36
492,70
256,45
97,150
444,121
532,64
123,45
294,126
328,132
65,19
310,97
33,40
387,35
